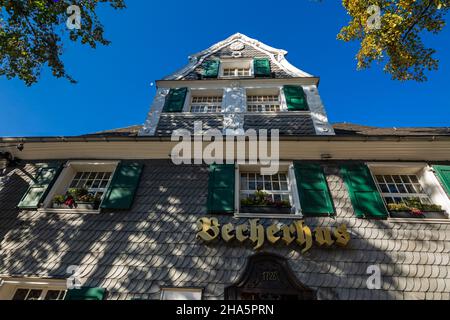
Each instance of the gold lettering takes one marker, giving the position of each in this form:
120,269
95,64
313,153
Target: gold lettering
323,237
271,231
208,229
287,234
304,235
226,232
240,233
342,236
256,233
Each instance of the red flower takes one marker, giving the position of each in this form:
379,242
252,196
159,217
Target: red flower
416,212
70,202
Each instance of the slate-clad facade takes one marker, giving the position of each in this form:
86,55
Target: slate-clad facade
332,219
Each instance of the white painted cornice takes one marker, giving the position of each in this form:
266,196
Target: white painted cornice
278,57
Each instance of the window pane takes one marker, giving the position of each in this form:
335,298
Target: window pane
244,182
389,179
414,179
405,179
34,295
401,188
392,188
397,179
384,188
53,295
20,294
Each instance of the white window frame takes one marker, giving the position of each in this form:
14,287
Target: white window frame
217,104
66,177
9,286
285,167
186,294
265,104
427,180
238,63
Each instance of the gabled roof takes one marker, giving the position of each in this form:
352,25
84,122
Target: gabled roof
277,57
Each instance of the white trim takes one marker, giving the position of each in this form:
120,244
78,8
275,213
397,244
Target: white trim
422,221
183,294
64,180
9,286
293,195
427,179
69,211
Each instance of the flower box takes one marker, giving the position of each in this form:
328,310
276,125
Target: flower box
87,205
78,205
266,210
423,215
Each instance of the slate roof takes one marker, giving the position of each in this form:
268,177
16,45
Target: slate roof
356,129
292,128
134,253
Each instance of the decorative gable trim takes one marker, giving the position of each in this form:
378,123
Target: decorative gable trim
277,56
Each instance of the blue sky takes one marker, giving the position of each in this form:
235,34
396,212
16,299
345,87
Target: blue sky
151,39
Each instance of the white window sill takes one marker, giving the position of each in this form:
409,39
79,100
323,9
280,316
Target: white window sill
69,211
423,221
269,216
236,77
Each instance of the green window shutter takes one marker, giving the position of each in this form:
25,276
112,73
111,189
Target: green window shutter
315,198
443,174
42,184
85,294
295,98
366,199
211,68
121,191
175,100
262,67
221,189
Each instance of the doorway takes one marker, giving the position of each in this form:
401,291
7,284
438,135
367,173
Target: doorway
268,277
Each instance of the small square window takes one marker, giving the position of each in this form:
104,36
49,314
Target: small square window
181,294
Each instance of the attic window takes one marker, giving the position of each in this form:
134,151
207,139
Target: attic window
236,68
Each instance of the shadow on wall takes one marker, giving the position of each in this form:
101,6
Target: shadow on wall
13,184
134,253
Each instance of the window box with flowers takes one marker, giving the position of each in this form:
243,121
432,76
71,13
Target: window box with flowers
414,208
263,203
77,199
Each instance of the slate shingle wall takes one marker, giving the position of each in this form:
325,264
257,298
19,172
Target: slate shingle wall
288,124
169,122
134,253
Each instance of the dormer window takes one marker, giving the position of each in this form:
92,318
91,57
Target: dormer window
236,68
236,72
